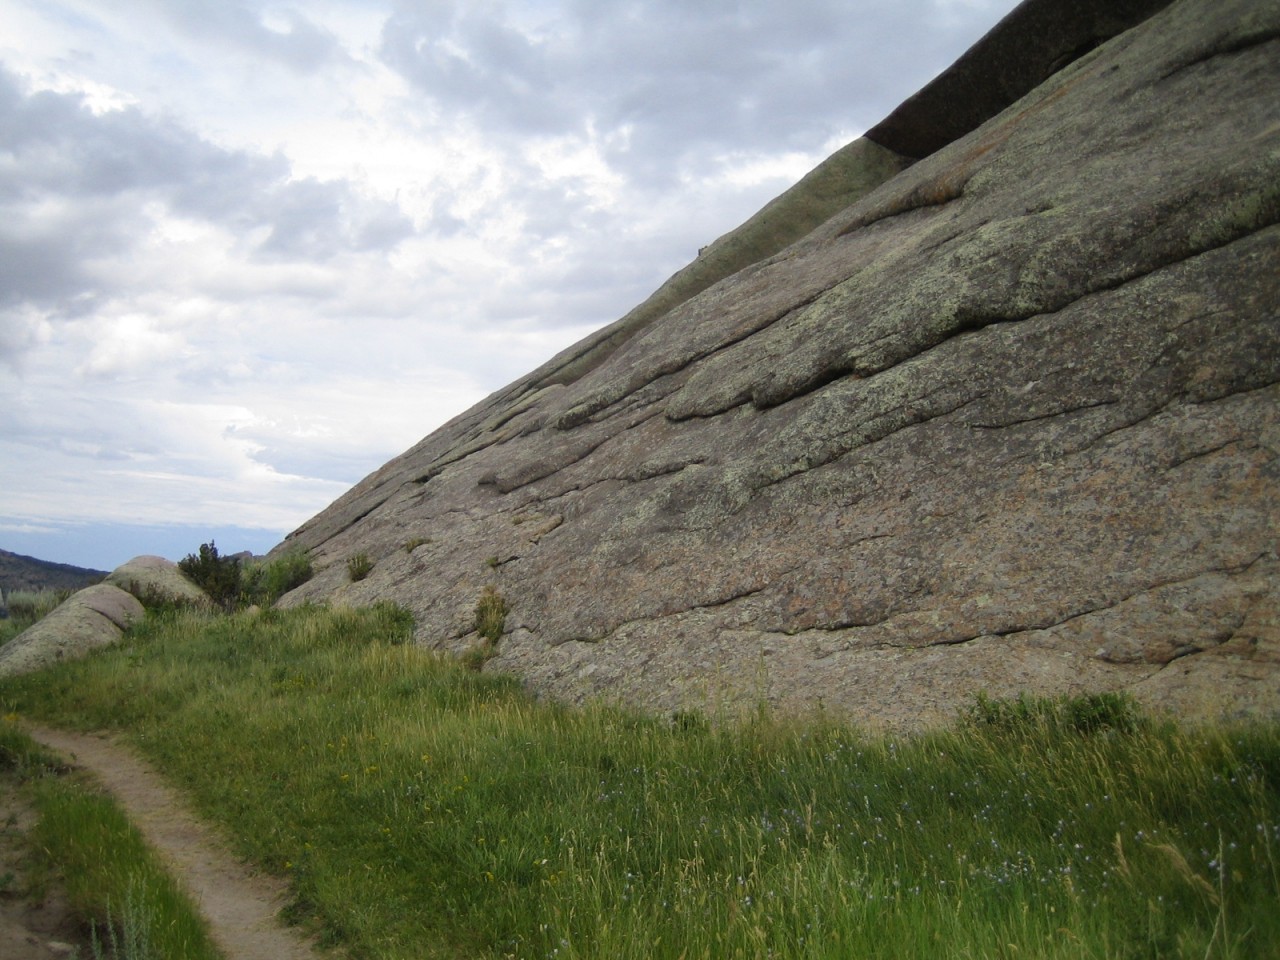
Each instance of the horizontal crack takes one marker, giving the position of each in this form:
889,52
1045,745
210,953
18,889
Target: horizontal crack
1239,45
589,408
623,625
1198,454
1044,416
1017,628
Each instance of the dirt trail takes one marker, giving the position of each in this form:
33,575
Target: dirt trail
240,906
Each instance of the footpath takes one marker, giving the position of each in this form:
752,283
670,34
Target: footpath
240,905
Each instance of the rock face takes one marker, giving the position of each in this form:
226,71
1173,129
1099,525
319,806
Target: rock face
1006,418
93,617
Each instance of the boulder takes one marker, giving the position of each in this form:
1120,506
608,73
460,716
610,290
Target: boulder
157,581
1007,421
91,618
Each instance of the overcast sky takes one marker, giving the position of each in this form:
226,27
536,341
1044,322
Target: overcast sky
250,251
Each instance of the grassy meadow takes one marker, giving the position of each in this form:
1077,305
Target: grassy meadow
424,810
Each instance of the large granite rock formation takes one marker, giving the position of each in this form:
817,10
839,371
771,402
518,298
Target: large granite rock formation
1005,417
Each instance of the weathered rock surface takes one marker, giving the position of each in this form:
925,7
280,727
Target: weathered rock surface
157,580
90,618
1008,421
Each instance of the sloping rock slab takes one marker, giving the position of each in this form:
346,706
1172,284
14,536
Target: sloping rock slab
158,581
1010,421
94,617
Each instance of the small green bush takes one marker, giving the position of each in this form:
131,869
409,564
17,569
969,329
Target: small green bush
1082,714
268,581
219,577
390,621
359,566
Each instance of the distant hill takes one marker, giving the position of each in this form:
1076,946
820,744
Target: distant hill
18,572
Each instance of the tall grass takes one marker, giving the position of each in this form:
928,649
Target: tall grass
424,810
113,879
26,607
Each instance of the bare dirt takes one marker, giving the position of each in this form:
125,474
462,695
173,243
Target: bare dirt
240,905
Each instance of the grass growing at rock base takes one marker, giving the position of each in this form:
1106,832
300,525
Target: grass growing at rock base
424,810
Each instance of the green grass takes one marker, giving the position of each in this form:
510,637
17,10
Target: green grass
111,877
424,810
359,566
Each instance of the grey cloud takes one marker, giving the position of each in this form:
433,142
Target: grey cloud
302,46
60,147
76,185
36,269
316,220
305,458
684,81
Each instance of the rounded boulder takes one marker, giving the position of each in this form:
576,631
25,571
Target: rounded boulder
156,581
94,617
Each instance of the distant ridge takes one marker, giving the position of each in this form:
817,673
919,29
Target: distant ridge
18,572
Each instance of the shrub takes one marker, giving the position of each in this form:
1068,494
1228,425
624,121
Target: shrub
390,621
1082,714
268,581
217,576
359,566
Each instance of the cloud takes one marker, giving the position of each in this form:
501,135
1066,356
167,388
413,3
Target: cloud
279,33
80,191
666,84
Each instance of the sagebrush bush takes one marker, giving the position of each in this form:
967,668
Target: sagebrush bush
219,577
267,581
1085,713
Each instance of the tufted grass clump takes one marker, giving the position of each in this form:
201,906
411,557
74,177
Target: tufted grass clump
359,566
490,622
421,809
491,615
